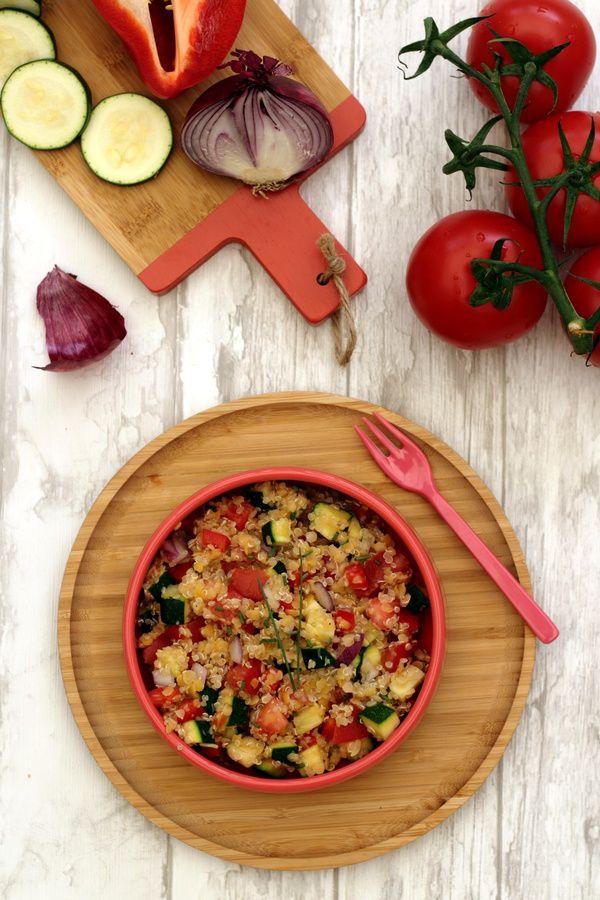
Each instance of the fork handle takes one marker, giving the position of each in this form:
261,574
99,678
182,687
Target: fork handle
541,625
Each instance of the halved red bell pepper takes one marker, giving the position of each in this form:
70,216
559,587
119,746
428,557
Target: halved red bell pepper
175,43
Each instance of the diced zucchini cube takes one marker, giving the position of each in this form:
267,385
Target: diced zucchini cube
312,761
380,720
245,750
308,718
404,683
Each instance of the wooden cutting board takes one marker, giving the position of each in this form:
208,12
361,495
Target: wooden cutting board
167,227
482,691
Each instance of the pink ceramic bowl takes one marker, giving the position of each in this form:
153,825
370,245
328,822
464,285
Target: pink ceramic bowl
407,538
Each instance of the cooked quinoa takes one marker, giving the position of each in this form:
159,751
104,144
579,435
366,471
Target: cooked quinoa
282,630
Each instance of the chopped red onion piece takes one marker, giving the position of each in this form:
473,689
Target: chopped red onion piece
350,653
162,678
175,549
235,651
323,596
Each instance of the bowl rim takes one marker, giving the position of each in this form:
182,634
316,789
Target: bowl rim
399,527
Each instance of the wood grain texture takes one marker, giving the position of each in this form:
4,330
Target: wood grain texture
523,416
487,670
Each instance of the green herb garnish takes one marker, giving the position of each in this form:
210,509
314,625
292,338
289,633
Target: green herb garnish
300,604
277,635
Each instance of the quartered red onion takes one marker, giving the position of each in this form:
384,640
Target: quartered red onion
323,596
175,549
81,325
258,125
349,654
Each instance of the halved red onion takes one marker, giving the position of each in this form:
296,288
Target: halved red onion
82,327
175,549
258,125
323,596
235,651
349,654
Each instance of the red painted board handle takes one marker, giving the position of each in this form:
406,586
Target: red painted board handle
283,238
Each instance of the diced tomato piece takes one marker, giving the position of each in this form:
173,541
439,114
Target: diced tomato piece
187,711
287,605
363,514
249,628
426,632
177,572
272,678
160,697
382,614
245,677
222,611
246,582
376,568
392,655
196,626
408,619
356,578
188,523
210,538
308,739
169,636
239,515
345,620
272,718
342,734
211,750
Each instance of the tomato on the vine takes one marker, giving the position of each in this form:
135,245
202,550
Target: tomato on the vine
440,282
544,155
584,297
540,26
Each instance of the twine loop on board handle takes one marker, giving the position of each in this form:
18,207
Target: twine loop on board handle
342,319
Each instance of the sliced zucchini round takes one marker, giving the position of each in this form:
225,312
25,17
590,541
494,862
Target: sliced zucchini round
128,139
23,38
45,104
29,6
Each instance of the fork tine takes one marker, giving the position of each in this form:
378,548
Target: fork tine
373,449
382,437
401,435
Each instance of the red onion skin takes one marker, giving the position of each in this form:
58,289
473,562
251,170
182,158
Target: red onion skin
175,549
229,89
82,327
350,653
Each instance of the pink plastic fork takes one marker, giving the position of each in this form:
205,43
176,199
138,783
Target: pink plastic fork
409,468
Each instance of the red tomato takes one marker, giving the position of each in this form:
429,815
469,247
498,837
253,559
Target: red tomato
356,578
245,677
196,626
409,620
239,514
210,538
177,572
169,636
245,582
540,26
345,620
342,734
294,578
426,633
249,628
160,697
380,612
272,718
392,655
187,711
584,297
440,282
543,151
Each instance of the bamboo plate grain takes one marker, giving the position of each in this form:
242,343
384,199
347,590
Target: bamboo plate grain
472,717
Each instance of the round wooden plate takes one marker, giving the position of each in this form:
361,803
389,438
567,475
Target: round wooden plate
472,717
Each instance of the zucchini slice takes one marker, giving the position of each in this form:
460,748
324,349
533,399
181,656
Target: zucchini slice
277,532
271,770
128,139
317,658
308,718
329,520
45,104
33,7
281,752
380,720
22,39
239,713
173,610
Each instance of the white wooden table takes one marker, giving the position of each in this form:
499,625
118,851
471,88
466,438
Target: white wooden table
526,417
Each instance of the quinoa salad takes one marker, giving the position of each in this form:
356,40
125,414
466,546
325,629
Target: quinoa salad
282,630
